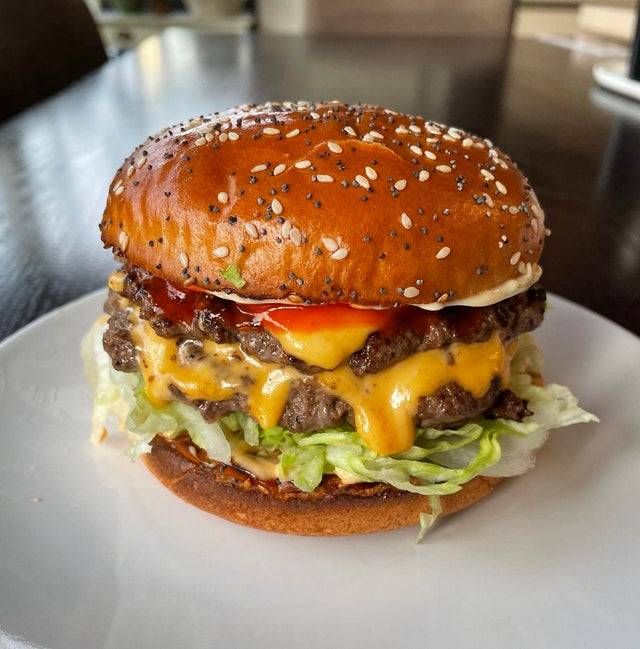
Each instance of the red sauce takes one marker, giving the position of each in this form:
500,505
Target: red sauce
317,316
181,304
176,304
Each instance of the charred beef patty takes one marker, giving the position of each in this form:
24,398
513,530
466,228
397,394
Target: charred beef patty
310,406
173,312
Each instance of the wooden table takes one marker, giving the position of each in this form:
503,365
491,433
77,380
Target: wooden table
579,146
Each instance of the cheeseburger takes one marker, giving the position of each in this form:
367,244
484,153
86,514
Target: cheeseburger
321,322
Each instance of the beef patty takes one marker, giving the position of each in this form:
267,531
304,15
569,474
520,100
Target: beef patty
310,406
198,315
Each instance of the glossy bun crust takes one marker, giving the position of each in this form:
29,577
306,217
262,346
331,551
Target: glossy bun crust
354,511
325,202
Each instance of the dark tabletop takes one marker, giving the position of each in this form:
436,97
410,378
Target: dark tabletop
579,146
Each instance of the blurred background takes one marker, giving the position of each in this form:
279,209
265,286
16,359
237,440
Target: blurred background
551,82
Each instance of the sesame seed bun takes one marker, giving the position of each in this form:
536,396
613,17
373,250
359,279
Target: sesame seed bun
326,202
353,511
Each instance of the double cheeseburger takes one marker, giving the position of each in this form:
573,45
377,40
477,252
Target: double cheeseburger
320,324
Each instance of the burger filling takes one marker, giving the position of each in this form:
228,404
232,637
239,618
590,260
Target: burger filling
305,394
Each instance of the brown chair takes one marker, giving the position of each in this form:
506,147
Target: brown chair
44,46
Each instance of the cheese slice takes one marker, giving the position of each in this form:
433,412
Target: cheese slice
325,348
224,371
385,404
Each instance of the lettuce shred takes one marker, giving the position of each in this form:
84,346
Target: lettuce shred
439,462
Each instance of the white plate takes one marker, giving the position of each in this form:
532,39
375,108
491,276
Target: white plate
94,552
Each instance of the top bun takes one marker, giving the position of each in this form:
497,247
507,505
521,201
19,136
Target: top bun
327,203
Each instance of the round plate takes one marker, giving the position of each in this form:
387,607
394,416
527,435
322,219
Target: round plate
94,552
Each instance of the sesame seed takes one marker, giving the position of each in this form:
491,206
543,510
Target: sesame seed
500,187
302,164
400,184
362,181
443,252
513,209
415,129
260,167
286,229
406,221
295,236
200,141
224,137
423,175
467,142
223,198
411,291
453,134
233,136
296,131
515,258
547,232
208,137
123,241
330,244
315,115
184,259
276,206
278,169
119,190
443,298
349,131
140,162
371,173
221,251
434,130
488,200
376,135
324,178
340,253
334,147
415,149
251,230
487,174
401,130
270,130
130,171
522,267
537,212
430,154
445,169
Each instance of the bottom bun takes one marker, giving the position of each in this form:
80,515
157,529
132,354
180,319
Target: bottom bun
336,511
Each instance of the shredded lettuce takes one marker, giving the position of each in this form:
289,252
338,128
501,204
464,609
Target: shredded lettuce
122,394
428,520
439,462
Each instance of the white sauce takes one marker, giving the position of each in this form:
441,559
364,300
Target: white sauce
486,298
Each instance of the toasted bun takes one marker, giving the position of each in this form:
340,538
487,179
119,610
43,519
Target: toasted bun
355,511
325,202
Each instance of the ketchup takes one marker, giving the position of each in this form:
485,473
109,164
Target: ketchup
181,304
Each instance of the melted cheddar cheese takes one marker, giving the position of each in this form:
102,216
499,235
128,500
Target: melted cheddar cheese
384,404
325,348
224,371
